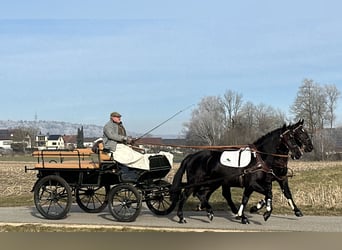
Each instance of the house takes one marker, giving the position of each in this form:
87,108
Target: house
6,138
173,143
50,142
150,144
89,142
70,141
14,139
41,141
55,142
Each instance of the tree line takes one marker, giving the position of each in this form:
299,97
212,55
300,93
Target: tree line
228,120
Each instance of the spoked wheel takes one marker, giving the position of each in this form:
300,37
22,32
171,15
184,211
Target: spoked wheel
124,202
52,197
159,200
92,199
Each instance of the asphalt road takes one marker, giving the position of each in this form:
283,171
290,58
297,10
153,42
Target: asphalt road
196,221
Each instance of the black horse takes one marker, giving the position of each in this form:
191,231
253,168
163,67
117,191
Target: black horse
281,171
205,173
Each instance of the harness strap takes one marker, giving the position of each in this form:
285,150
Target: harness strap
212,148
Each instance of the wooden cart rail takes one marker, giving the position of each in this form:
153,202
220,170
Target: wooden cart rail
70,159
83,152
68,165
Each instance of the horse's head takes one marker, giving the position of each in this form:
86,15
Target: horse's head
301,136
288,138
280,141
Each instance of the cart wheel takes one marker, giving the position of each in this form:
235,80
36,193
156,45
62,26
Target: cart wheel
92,199
159,200
52,197
124,202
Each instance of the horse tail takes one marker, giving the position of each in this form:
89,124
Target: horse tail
176,188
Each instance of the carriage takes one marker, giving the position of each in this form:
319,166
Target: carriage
94,180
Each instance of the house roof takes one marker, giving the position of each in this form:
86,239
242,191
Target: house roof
90,139
5,134
54,137
174,141
150,140
70,138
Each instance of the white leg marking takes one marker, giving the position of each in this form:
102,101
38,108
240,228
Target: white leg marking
268,205
260,204
291,204
240,211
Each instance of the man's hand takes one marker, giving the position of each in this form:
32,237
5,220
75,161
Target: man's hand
130,140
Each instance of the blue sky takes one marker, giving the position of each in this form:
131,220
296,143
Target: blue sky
79,60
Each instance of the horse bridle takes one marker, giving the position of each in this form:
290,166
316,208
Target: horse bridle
287,138
289,141
303,138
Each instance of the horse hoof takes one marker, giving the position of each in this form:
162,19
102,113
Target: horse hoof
198,208
299,213
210,216
253,210
244,221
267,215
182,221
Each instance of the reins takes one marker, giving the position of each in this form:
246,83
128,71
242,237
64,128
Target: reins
212,148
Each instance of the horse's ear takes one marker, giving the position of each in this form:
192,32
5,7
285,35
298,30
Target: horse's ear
302,121
284,126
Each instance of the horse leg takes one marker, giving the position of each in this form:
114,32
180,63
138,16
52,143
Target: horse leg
228,196
245,197
284,185
258,206
204,196
184,196
268,198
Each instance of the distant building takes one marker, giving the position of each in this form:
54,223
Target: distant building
41,141
157,143
55,142
6,138
70,141
50,142
89,142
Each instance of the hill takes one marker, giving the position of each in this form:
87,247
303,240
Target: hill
55,127
65,128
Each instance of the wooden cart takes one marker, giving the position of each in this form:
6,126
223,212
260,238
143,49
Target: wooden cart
94,180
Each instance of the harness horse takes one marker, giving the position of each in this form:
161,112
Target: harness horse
205,173
281,171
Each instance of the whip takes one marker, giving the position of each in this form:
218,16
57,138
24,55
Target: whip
159,125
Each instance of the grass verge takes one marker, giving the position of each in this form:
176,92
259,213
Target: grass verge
316,188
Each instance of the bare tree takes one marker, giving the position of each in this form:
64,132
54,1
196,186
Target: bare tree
332,95
267,118
232,103
317,105
207,122
24,137
311,105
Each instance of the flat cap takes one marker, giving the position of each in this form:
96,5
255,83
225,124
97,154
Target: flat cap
115,114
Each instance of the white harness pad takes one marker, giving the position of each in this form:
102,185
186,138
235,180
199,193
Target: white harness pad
236,158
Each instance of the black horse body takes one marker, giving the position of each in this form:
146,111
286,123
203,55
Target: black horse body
281,171
205,174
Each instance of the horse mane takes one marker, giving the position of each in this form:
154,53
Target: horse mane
260,140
